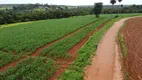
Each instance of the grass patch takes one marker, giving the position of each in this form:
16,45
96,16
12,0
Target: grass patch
14,24
124,52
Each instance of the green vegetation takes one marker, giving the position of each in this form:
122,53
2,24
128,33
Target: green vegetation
98,9
38,68
124,52
32,12
126,74
6,6
6,58
14,24
28,37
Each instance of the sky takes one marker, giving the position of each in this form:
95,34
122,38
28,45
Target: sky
67,2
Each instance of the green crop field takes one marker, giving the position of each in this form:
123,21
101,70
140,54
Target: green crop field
19,41
26,38
35,34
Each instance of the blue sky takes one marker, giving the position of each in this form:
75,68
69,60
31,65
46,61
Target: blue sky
67,2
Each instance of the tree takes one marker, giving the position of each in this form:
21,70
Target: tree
97,9
121,5
112,2
2,21
119,1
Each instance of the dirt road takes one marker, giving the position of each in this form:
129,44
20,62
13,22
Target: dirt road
105,65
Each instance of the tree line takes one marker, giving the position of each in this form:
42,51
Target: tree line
32,12
98,8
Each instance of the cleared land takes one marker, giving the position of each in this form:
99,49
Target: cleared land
132,33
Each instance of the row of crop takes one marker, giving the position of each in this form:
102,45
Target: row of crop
76,70
60,49
31,36
8,58
38,68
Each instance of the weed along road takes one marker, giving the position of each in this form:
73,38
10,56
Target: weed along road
103,65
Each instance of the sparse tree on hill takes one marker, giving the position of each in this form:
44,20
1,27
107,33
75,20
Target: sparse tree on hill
97,9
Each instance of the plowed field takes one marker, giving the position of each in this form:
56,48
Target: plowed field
132,34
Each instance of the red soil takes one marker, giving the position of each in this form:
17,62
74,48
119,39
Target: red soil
12,64
4,51
37,51
73,51
132,33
